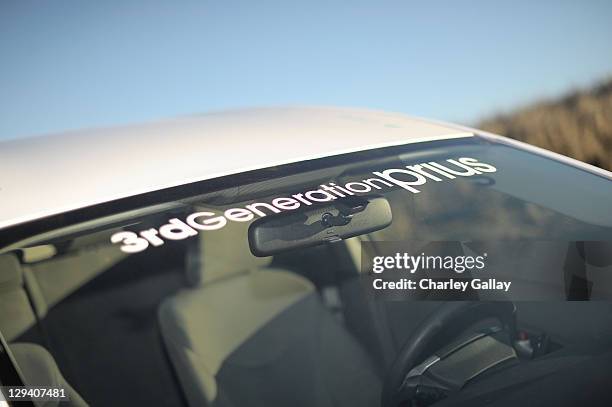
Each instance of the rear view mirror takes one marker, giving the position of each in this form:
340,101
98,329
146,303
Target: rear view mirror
315,225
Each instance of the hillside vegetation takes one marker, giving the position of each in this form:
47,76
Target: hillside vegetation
578,125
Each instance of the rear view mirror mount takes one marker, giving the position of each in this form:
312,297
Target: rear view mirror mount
320,224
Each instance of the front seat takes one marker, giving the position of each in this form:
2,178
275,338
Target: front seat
244,334
37,366
17,314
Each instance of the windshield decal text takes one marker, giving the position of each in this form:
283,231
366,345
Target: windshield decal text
411,178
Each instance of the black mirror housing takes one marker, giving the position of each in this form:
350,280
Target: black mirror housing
320,224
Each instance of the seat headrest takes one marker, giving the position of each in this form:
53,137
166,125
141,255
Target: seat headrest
11,274
16,313
222,253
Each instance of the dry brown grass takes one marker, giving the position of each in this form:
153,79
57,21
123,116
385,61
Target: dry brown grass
578,125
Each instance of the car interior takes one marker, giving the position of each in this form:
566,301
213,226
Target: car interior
208,323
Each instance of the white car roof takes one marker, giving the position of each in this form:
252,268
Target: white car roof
53,174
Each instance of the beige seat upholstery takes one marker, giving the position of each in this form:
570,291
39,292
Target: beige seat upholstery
246,334
16,312
232,296
52,278
38,368
27,291
17,315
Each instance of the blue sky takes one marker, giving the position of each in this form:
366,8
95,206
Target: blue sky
74,64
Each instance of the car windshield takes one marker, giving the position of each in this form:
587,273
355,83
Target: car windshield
165,304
